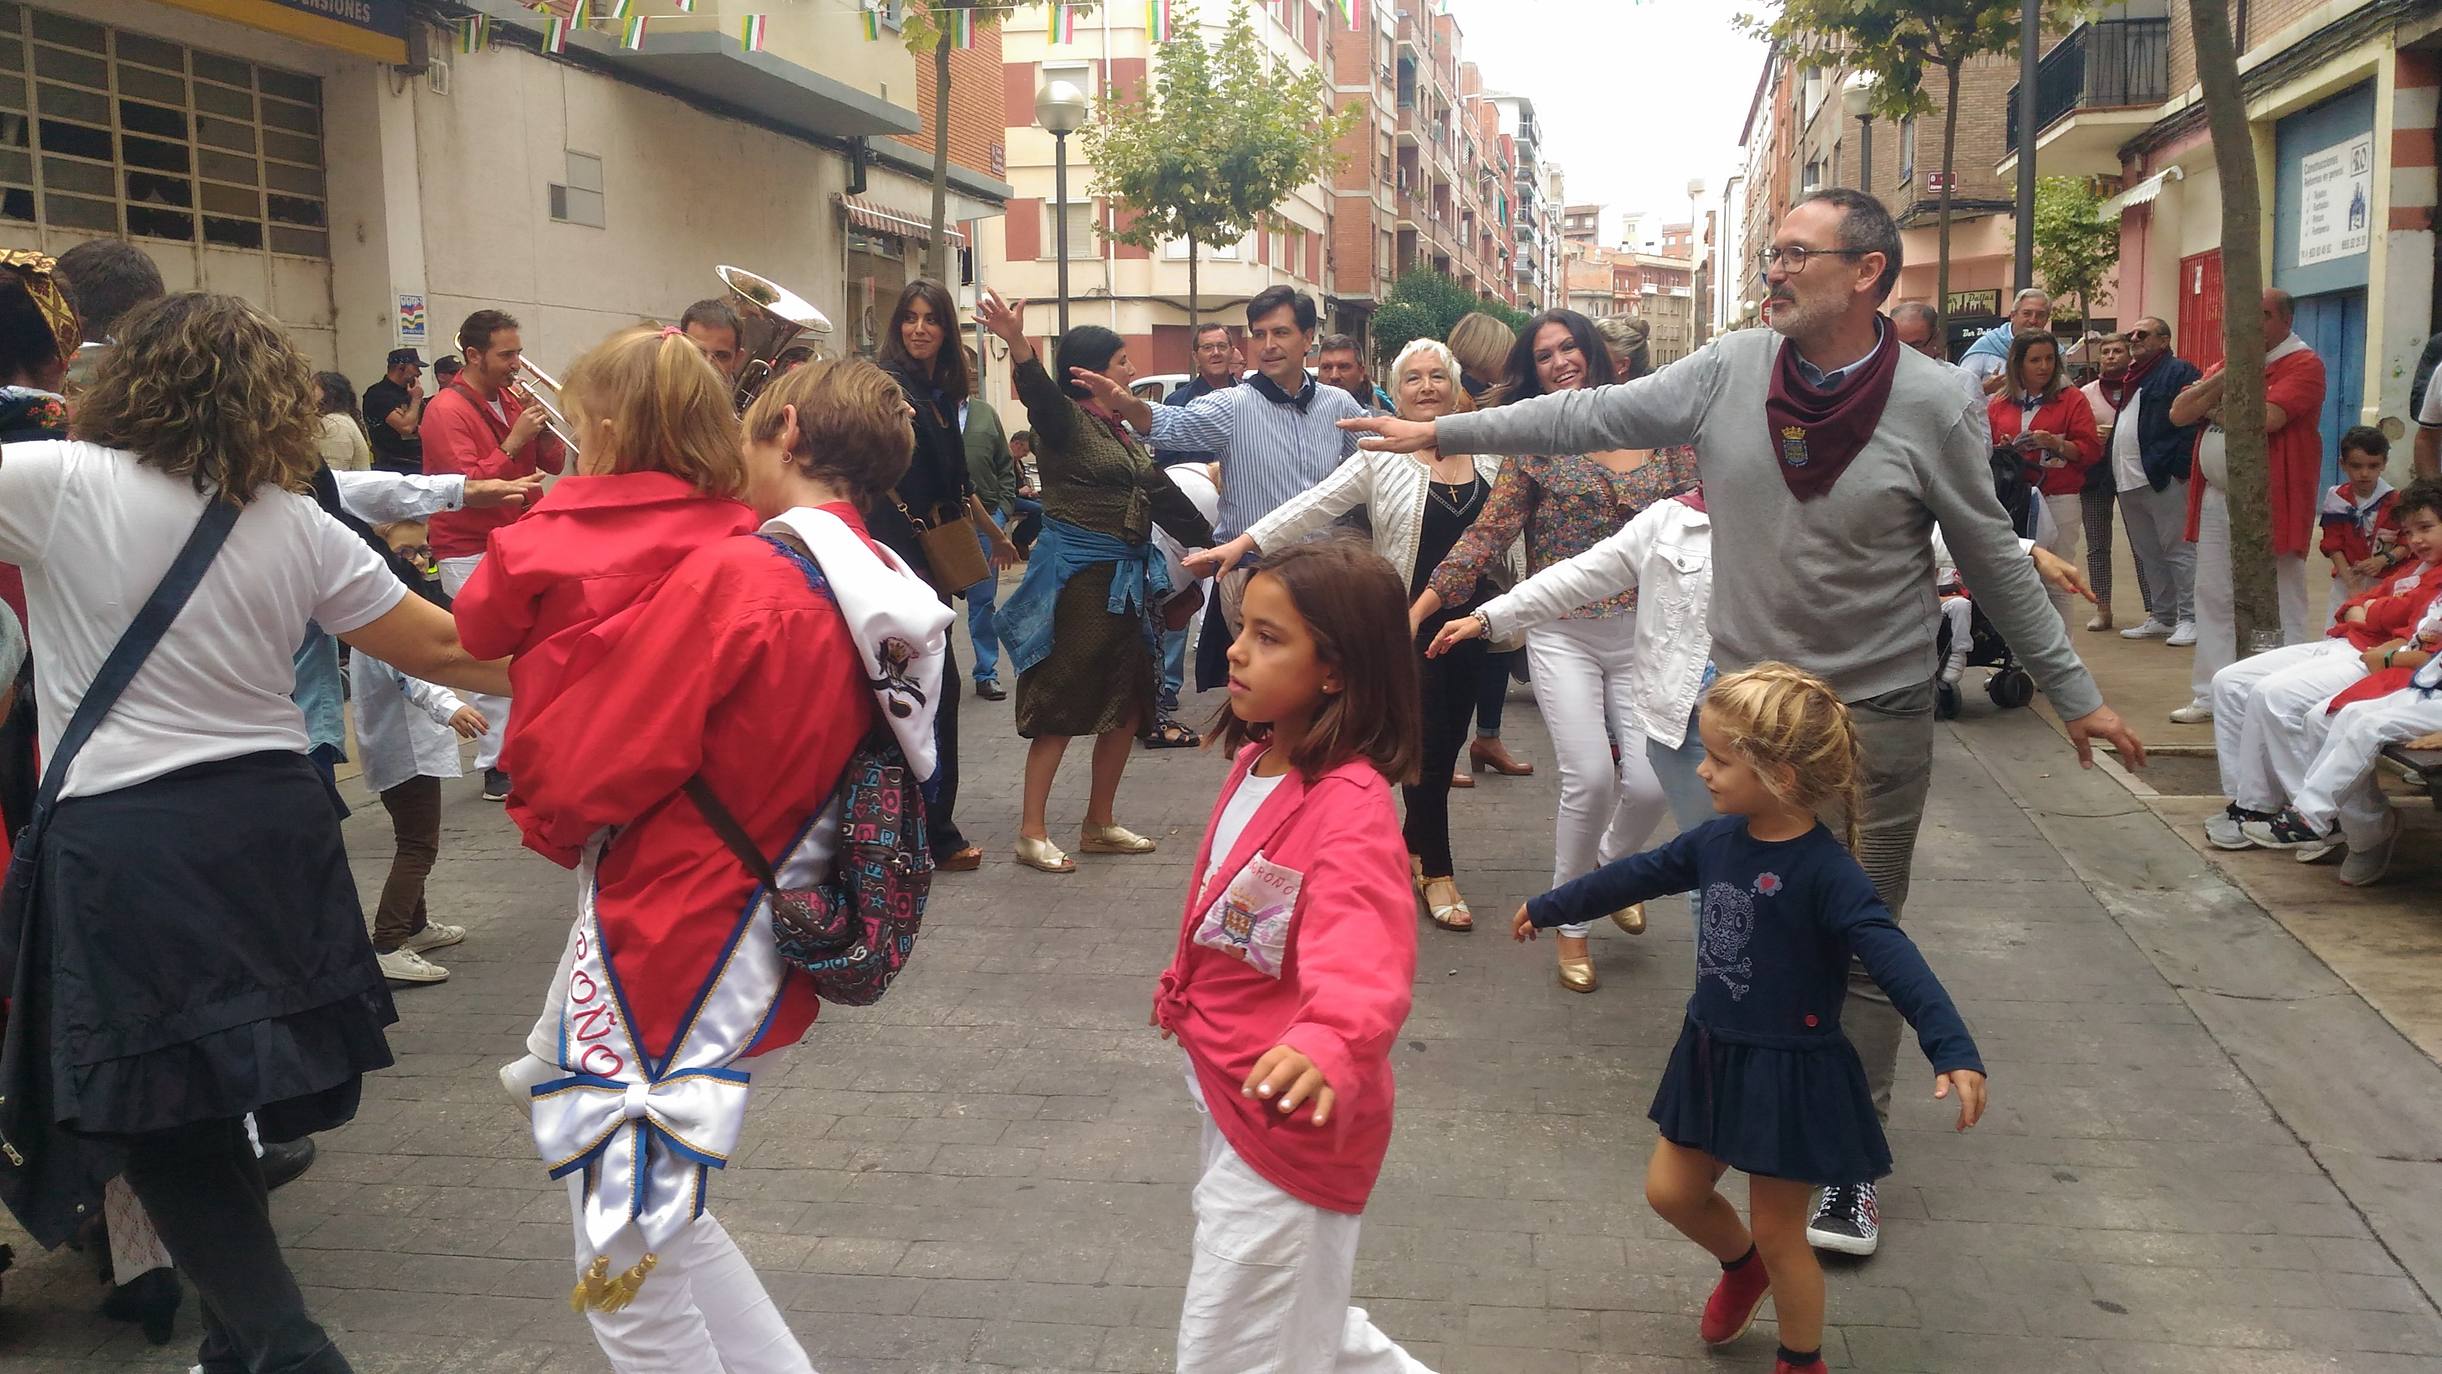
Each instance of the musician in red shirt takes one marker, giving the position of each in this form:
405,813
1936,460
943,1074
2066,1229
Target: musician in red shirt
484,425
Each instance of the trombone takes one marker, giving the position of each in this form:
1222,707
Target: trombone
553,419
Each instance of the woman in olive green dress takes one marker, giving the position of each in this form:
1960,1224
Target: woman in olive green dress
1083,625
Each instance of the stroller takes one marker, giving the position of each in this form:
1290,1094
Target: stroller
2010,686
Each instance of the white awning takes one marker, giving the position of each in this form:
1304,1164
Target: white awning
2140,194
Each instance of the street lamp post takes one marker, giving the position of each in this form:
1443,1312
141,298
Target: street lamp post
2030,37
1858,99
1695,192
1061,109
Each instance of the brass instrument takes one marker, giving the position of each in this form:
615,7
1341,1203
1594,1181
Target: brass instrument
553,419
774,323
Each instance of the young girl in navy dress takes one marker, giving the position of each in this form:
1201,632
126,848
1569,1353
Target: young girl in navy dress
1762,1080
1294,967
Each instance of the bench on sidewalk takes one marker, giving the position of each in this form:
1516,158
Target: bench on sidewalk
2422,768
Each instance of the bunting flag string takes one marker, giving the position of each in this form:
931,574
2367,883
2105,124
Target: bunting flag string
1157,20
962,28
555,36
1064,23
683,6
634,37
873,23
474,33
750,32
622,11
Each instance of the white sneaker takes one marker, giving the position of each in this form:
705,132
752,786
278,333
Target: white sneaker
2151,629
2361,869
2197,712
437,935
2182,635
407,966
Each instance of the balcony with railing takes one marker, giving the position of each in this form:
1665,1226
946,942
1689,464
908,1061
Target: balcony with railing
2093,90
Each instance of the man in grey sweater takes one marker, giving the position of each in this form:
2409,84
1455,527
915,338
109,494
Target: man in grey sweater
1830,454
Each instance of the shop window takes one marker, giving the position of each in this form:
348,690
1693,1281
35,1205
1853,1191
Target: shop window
579,199
111,132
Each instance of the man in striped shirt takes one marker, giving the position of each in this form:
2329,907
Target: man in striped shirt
1276,434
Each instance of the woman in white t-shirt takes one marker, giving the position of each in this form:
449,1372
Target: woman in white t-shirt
192,949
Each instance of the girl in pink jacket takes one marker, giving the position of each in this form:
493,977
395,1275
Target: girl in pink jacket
1294,966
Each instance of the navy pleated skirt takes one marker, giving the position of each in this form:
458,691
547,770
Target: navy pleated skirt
1800,1112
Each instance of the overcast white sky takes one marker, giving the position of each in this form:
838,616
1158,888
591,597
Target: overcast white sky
1636,96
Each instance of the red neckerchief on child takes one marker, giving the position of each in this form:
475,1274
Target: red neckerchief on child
1816,432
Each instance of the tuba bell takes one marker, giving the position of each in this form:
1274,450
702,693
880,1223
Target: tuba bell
777,329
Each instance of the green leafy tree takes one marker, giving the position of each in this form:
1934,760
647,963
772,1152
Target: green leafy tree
1425,304
1208,149
1894,44
2075,247
932,29
2254,599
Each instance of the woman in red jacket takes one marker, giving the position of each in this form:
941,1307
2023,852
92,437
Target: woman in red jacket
2052,427
745,668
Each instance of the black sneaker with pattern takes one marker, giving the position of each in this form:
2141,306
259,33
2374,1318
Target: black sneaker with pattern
1846,1220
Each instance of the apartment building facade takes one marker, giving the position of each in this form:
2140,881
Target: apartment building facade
367,182
2341,101
1535,241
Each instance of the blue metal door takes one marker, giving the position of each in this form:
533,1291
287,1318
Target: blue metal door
2334,325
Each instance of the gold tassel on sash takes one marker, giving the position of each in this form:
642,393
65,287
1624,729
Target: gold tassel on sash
599,1291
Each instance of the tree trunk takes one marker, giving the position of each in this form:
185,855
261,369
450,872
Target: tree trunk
1195,303
2255,597
937,251
1941,271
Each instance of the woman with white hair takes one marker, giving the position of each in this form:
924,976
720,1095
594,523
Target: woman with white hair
1419,504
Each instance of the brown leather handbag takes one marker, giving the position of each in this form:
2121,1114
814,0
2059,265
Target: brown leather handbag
952,556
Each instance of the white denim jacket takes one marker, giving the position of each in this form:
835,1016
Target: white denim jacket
1391,488
1666,553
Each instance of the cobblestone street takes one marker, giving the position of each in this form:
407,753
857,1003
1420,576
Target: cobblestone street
989,1169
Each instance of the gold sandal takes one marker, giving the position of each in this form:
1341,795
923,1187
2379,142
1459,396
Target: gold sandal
1043,856
1113,839
1577,974
1452,915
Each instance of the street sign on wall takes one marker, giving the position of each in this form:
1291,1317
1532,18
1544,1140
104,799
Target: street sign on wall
1975,302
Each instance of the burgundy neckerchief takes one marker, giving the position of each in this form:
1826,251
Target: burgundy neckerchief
1117,426
2116,394
1815,432
1692,498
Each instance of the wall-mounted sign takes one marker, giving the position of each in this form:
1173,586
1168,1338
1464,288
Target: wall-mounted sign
1975,302
414,330
1934,182
368,28
2336,200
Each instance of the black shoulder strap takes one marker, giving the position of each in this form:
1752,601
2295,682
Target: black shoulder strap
732,834
136,645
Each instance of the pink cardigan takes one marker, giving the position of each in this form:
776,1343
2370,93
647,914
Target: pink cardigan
1343,992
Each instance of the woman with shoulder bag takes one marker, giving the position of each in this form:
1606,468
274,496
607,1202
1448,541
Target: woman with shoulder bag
932,517
741,679
186,941
1085,626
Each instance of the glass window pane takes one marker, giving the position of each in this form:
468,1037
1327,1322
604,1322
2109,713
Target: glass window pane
12,55
228,167
312,243
72,212
63,175
279,114
304,181
59,28
147,152
152,52
16,166
12,93
233,233
75,140
585,207
226,70
15,131
292,147
16,202
162,88
138,118
82,68
584,172
156,223
66,102
289,85
232,200
222,100
292,210
222,133
147,188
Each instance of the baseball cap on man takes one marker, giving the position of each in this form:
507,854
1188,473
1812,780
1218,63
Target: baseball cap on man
405,355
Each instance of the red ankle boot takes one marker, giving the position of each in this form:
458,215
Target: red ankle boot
1813,1365
1731,1309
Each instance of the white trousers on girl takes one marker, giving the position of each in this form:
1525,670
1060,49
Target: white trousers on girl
454,574
2067,538
1607,810
1268,1290
2340,784
2261,709
702,1311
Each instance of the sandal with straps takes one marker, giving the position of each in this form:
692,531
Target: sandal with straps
1168,733
1451,915
1043,856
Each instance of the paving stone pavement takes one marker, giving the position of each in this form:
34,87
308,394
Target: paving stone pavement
989,1170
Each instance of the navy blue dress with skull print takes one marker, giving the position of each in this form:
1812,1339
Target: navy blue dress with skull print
1761,1077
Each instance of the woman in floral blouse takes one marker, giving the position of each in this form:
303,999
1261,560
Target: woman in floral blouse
1565,504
